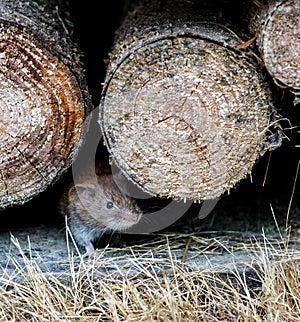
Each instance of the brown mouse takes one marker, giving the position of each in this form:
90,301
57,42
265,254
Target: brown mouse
94,204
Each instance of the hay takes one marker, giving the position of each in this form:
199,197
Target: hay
151,282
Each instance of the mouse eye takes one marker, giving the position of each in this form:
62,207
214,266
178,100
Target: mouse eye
109,204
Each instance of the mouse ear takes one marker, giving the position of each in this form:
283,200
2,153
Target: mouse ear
84,190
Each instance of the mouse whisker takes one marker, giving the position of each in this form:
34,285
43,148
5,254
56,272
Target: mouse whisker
112,233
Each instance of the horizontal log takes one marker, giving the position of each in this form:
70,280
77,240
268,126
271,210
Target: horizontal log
43,98
184,111
277,27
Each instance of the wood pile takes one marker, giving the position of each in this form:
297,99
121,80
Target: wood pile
186,108
187,104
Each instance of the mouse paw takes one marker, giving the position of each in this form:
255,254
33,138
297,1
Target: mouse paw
90,250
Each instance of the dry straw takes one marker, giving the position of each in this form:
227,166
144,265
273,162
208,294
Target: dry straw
150,282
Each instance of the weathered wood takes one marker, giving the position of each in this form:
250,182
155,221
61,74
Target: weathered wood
276,24
43,98
184,112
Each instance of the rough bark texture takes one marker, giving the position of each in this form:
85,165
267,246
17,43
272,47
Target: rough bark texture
277,27
184,112
43,98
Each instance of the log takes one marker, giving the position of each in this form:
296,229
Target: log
44,98
276,25
185,108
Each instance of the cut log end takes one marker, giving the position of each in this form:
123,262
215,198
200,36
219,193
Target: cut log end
185,118
279,43
42,115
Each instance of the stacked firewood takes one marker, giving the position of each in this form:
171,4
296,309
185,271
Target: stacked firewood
187,104
187,108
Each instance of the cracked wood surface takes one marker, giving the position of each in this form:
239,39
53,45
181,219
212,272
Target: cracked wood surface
43,98
184,113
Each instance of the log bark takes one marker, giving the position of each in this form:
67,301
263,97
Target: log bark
44,98
184,111
276,25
